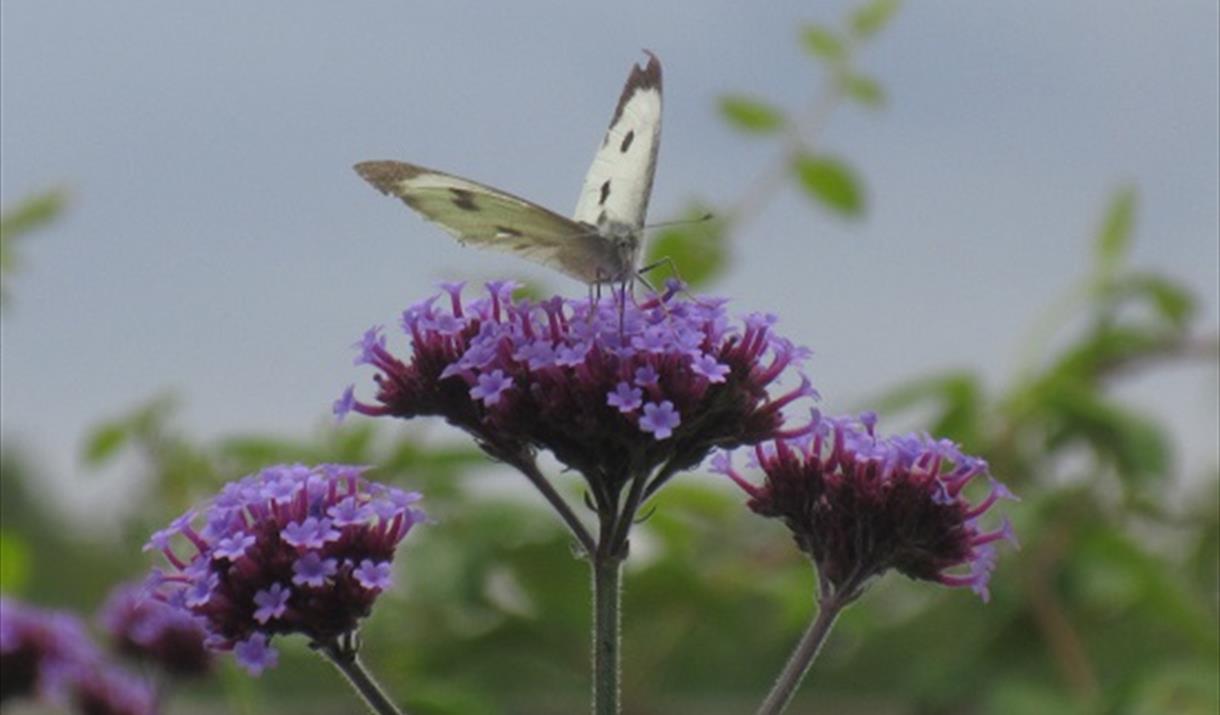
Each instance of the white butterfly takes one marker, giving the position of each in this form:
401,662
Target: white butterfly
600,243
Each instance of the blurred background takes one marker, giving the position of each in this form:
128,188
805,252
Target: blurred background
998,223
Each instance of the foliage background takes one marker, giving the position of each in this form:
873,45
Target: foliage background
1097,405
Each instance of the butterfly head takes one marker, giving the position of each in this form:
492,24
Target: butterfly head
623,240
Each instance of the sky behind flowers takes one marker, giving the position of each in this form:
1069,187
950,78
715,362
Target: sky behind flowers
219,244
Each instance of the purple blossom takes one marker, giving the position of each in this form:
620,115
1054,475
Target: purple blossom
255,654
350,511
233,547
272,602
42,652
859,505
646,375
294,524
375,576
369,346
313,570
312,533
345,403
660,419
148,630
489,387
626,398
570,376
106,690
707,366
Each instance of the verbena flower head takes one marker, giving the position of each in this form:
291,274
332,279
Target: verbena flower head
106,690
47,655
612,390
150,630
42,652
291,549
859,504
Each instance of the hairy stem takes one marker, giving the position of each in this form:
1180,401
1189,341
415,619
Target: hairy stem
607,591
803,656
544,486
343,656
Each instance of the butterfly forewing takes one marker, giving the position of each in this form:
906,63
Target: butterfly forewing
619,182
600,244
481,216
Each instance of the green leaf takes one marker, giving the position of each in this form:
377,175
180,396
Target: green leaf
832,183
870,18
31,213
751,115
823,43
1114,238
862,89
14,562
699,251
1137,446
1172,301
104,442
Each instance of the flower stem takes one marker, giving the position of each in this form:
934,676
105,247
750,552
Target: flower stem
344,658
607,592
803,656
527,467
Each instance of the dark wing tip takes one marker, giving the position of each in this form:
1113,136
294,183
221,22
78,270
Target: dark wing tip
646,77
384,175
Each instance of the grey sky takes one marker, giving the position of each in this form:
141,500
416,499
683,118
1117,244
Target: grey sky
219,244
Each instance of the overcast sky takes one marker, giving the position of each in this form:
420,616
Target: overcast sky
218,243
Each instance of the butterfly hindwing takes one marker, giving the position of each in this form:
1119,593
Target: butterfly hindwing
619,182
485,217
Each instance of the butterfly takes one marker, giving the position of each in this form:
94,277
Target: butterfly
600,243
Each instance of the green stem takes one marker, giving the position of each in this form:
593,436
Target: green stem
803,656
607,591
344,658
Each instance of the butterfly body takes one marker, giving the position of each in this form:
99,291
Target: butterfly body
600,243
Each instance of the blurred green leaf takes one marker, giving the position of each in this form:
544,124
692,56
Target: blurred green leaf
862,89
1137,446
872,17
1114,237
957,398
823,43
14,562
832,183
699,250
103,442
26,216
751,115
1171,300
31,213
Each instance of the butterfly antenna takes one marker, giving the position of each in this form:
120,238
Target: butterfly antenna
682,222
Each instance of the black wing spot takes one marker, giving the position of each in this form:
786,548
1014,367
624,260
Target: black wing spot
627,141
463,199
605,193
508,231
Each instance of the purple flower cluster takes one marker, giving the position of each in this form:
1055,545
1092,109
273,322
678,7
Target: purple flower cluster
48,655
152,631
612,390
291,549
859,504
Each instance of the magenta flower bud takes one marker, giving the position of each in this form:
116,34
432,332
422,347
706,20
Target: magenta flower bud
859,505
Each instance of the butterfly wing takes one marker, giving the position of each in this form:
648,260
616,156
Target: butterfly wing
619,182
479,215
